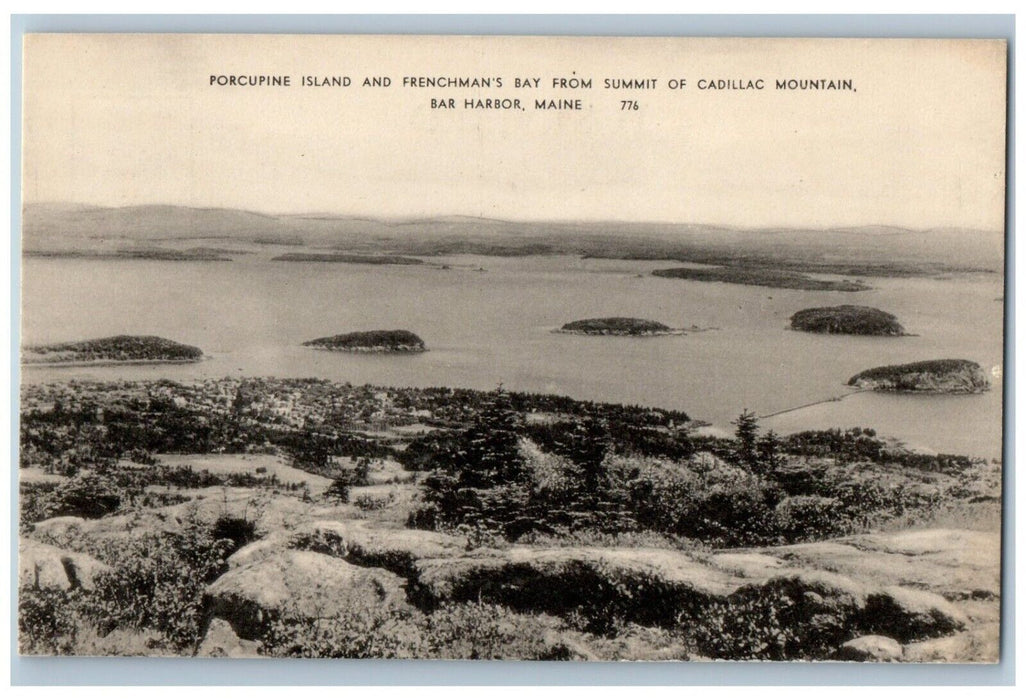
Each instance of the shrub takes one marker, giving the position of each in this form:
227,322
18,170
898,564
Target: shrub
780,623
156,581
87,495
483,631
471,631
422,453
714,502
808,518
338,490
239,531
47,620
370,502
35,501
361,632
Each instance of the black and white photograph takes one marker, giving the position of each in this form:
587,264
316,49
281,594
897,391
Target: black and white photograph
511,347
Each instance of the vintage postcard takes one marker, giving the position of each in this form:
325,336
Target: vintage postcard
512,347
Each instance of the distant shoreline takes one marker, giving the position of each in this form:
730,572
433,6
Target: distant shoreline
109,363
374,350
612,334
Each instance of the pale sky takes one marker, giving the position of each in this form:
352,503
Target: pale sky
132,119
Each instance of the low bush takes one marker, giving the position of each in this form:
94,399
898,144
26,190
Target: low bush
87,495
48,621
469,631
239,531
483,631
781,623
369,502
807,517
156,581
366,632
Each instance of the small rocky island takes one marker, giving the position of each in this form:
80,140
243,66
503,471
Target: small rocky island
761,277
199,254
352,259
115,349
618,326
370,341
929,376
847,319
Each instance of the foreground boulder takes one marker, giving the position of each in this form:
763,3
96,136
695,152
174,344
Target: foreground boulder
304,584
909,614
649,587
60,529
976,645
869,648
957,564
221,641
45,566
362,543
357,542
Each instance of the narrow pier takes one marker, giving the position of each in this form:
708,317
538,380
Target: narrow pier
814,403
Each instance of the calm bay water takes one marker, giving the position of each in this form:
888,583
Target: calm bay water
494,326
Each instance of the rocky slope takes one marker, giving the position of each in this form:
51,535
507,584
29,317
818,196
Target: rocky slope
922,595
921,591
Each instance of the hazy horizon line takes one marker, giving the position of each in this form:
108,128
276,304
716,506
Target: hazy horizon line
424,218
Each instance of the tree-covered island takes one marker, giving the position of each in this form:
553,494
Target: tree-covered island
370,341
617,325
350,258
928,376
115,349
847,319
761,277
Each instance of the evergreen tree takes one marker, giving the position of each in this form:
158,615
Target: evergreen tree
769,453
482,477
746,434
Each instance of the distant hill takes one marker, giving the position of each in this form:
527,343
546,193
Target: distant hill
871,250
